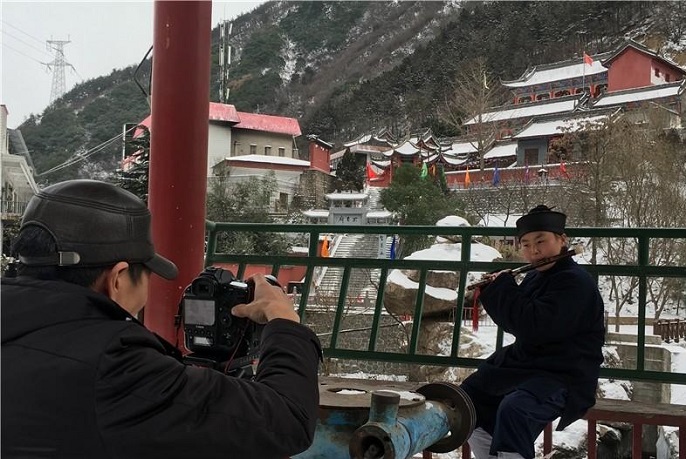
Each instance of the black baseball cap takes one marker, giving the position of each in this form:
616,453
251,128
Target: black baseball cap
541,218
94,224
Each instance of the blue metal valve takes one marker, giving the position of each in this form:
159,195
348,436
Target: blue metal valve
389,420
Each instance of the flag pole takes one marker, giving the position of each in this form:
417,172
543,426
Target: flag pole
583,74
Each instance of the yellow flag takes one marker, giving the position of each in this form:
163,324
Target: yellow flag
467,180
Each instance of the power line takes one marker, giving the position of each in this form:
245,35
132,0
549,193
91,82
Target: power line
80,157
25,42
28,35
5,45
77,73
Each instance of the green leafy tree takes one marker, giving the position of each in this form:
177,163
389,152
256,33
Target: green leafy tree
417,202
245,201
350,173
136,178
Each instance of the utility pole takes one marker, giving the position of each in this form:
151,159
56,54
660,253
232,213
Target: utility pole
57,68
225,29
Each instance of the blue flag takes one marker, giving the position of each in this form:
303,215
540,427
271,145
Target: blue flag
496,176
393,249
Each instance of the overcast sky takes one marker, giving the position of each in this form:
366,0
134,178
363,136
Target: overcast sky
104,36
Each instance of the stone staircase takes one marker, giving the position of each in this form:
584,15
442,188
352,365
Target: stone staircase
374,197
362,281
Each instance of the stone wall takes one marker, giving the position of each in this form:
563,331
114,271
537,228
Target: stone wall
519,199
656,358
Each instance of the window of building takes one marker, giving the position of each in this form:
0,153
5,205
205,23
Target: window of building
236,147
283,201
657,72
544,96
531,156
267,150
668,77
562,93
294,153
253,149
601,88
282,152
525,99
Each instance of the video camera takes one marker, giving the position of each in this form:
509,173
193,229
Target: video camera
215,337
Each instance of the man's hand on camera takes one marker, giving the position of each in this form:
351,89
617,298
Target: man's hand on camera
270,303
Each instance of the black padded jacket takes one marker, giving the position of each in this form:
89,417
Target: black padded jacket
81,378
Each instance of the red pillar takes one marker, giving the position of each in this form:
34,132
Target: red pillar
178,150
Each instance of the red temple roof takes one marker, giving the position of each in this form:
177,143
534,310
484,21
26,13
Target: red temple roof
269,123
256,122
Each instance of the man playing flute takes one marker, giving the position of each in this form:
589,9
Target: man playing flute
551,370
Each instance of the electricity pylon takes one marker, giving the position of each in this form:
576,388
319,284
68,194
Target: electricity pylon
57,68
225,29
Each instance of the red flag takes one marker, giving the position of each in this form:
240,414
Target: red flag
467,180
475,310
370,172
587,59
563,168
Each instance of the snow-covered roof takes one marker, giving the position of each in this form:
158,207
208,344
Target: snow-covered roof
381,164
527,110
360,149
346,196
479,252
315,138
281,160
640,94
558,126
378,214
453,161
406,149
362,139
499,220
367,138
557,72
460,148
452,220
502,151
316,213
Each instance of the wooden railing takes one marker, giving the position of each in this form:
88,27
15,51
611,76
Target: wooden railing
670,329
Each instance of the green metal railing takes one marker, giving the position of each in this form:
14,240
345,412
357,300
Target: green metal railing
641,269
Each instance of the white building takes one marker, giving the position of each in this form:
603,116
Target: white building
18,184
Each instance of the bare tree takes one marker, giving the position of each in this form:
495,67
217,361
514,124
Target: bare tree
635,172
474,92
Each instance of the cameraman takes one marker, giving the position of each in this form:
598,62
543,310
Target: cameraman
82,378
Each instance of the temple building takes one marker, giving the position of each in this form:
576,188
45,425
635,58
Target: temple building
547,101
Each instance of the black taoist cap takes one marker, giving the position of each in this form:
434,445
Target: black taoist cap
541,218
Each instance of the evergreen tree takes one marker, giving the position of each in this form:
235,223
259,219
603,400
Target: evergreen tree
245,201
350,173
417,202
136,178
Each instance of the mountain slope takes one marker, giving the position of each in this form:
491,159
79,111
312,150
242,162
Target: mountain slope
342,68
